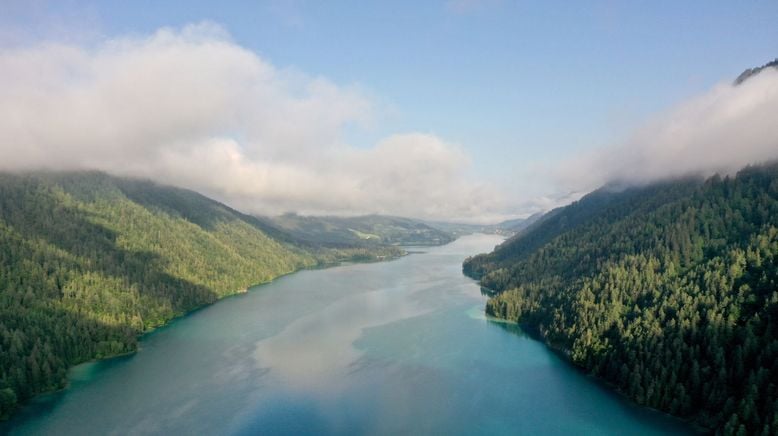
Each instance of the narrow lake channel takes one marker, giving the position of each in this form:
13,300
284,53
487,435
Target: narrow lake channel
398,347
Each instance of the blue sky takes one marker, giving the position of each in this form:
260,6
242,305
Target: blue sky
514,83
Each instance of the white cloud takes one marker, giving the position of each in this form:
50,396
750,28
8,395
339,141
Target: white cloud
192,108
720,131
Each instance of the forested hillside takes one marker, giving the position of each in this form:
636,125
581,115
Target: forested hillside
669,292
508,227
89,261
751,72
366,230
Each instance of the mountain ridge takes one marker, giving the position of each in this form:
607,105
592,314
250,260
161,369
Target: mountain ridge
368,230
750,72
669,292
89,261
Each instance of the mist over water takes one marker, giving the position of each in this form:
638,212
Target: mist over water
385,348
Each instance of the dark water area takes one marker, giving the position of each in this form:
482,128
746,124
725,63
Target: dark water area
385,348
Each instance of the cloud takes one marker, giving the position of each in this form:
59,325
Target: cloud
192,108
720,131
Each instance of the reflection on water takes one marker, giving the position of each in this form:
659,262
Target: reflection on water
388,348
319,346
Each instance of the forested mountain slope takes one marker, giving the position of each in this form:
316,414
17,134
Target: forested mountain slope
669,292
745,75
89,261
364,230
508,227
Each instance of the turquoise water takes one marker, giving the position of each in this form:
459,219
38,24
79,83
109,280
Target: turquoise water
399,347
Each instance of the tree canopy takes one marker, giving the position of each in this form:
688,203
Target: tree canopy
669,292
89,261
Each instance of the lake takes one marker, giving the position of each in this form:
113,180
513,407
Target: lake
399,347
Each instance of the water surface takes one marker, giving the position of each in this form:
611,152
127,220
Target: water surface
384,348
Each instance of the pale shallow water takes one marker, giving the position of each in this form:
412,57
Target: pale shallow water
399,347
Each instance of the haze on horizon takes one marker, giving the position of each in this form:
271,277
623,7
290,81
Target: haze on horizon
194,105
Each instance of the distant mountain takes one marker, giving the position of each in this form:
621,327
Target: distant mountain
668,291
89,261
519,224
457,229
368,230
508,227
754,71
511,224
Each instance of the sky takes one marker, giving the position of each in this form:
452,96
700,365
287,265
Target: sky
474,110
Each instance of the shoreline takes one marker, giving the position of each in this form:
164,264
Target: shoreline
42,396
564,354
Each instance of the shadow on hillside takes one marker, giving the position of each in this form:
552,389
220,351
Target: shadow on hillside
56,308
91,247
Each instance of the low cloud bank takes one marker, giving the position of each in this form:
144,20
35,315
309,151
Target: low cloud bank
193,108
721,131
